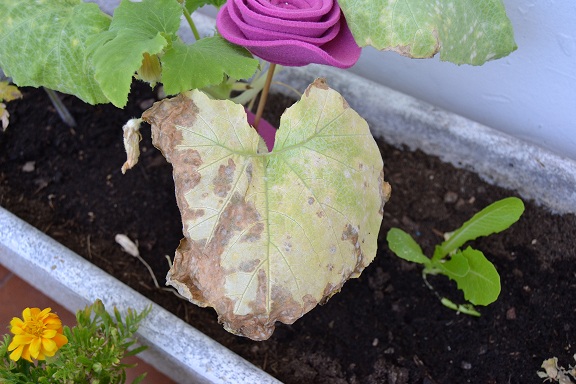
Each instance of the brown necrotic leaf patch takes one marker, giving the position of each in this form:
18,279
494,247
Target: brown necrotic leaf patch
268,236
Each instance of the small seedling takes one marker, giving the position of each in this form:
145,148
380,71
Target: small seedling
474,274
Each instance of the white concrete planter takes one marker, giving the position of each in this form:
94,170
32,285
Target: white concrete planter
188,356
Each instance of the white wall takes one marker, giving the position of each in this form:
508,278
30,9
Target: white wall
530,94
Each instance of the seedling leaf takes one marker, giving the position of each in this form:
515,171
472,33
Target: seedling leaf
55,33
137,28
481,284
404,246
463,31
457,265
211,58
269,235
495,218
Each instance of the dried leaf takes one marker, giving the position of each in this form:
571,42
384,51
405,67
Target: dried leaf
132,139
127,245
4,117
269,235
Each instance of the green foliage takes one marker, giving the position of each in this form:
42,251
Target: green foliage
192,5
73,47
474,274
43,43
463,31
93,354
136,28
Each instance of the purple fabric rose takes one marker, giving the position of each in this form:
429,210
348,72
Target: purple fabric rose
290,32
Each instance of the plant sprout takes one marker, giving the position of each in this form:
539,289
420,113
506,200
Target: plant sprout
474,274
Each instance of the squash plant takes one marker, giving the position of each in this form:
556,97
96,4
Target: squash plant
271,228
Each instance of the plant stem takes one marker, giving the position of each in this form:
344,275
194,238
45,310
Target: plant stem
190,22
264,95
63,112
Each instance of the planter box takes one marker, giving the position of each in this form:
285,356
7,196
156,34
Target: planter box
176,349
188,356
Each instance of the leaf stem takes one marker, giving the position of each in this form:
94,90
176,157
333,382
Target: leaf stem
264,95
63,112
188,18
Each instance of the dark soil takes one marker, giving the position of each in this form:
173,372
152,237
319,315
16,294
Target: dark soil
384,327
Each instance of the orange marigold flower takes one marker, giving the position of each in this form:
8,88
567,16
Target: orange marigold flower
37,335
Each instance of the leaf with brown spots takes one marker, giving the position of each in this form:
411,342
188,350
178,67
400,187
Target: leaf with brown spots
268,236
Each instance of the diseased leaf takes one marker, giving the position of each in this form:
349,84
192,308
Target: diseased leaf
404,246
269,235
463,31
211,58
43,43
480,282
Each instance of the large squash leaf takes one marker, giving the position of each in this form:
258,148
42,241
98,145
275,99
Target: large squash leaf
269,235
43,43
463,31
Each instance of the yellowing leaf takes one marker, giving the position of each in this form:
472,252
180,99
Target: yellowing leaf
9,92
268,236
463,31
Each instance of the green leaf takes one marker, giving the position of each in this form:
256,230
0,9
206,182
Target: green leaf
480,283
404,246
495,218
192,5
463,31
457,265
204,63
43,43
269,235
137,28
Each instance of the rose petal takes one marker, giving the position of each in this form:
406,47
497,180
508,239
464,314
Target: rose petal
300,10
257,33
290,32
341,52
276,22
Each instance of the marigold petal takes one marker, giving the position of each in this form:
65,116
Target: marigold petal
17,330
45,312
17,353
16,322
26,353
53,323
49,346
60,340
22,339
27,314
49,333
35,347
